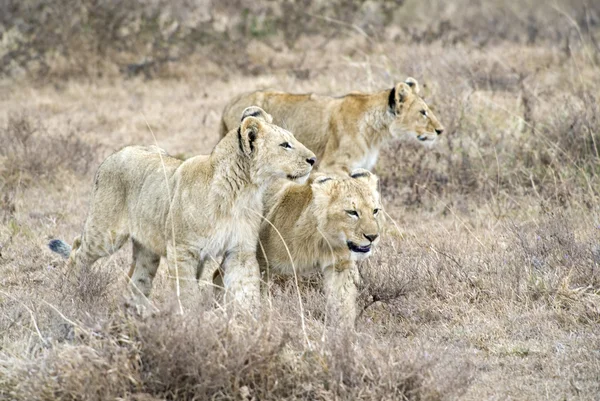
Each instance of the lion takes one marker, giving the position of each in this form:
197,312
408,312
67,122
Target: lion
325,225
345,132
188,211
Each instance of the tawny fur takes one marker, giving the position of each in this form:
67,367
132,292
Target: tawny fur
345,132
316,222
204,207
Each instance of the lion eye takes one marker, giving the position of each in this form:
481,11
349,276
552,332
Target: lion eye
286,145
424,113
353,213
375,211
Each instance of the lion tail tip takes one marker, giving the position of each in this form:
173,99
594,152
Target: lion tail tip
60,247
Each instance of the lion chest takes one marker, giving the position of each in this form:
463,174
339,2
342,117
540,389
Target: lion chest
307,259
232,234
368,160
237,224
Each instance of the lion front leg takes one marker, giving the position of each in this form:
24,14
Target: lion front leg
183,268
242,278
340,289
210,281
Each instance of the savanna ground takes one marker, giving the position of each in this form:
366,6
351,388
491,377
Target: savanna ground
486,284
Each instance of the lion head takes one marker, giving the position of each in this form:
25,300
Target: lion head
273,150
348,211
412,116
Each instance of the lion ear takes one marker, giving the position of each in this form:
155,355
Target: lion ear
248,131
320,178
360,172
366,175
413,84
257,112
322,182
322,186
398,95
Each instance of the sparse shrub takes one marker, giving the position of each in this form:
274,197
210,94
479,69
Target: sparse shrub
88,348
68,39
572,136
553,252
29,153
208,355
386,277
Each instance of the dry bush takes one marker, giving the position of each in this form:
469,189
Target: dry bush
572,136
80,344
558,260
66,39
207,354
29,152
376,285
79,38
483,23
433,280
546,147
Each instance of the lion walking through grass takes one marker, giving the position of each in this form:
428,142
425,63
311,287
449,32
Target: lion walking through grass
345,132
190,210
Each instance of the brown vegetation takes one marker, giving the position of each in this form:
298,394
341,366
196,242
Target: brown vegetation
487,281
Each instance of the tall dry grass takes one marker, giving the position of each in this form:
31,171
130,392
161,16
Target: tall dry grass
81,352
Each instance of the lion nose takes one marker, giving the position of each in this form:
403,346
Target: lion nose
311,161
371,237
439,131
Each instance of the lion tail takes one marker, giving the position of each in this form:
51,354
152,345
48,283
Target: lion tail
60,247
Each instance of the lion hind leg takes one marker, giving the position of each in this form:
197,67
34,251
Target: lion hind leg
93,245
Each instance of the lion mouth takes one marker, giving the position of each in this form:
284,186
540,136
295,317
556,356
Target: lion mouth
358,248
296,177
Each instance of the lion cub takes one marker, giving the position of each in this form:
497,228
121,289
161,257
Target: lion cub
325,225
345,132
191,210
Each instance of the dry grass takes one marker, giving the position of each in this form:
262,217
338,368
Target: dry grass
486,287
28,154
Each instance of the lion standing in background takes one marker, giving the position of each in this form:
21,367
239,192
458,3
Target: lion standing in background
189,211
344,132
